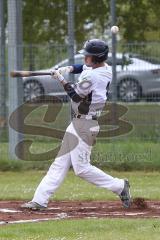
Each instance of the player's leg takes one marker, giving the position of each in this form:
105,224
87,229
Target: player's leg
57,170
52,180
55,174
80,157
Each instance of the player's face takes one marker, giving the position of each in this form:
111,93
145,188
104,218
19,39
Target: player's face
88,61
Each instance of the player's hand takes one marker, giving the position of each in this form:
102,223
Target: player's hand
57,75
66,69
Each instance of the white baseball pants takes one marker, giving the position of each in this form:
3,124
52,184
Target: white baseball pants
76,150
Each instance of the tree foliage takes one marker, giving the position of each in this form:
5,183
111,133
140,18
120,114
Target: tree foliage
138,18
46,20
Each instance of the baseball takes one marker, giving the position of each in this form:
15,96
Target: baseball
114,29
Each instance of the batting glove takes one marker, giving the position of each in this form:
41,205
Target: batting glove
64,70
57,75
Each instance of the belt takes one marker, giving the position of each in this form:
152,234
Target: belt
86,117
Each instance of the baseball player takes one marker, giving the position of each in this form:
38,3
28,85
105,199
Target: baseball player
88,98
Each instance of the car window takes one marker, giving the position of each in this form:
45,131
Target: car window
149,59
79,60
121,60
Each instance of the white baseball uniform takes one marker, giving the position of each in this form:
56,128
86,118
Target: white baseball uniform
88,99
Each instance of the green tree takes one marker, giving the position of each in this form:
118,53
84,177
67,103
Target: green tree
46,21
139,19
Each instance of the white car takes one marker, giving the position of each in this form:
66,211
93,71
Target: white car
136,79
139,79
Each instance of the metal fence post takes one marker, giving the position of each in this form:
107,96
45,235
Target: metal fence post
2,67
114,43
14,62
71,34
71,41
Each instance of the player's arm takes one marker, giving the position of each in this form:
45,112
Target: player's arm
74,69
71,91
78,92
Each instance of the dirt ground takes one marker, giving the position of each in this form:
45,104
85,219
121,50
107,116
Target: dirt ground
10,211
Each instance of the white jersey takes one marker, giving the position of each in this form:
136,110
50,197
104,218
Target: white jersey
93,86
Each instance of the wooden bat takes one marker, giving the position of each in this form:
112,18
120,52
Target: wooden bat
29,73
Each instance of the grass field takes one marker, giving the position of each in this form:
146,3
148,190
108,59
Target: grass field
21,185
137,150
117,155
95,229
145,118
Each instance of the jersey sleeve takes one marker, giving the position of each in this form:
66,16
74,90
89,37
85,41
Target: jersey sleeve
83,88
77,68
84,85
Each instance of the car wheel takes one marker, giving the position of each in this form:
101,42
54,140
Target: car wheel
32,89
129,90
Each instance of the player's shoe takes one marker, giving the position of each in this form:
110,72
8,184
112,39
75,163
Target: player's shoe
125,195
33,206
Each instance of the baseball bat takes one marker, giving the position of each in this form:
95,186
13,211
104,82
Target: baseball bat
29,73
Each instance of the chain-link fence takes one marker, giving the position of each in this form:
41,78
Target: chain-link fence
138,93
